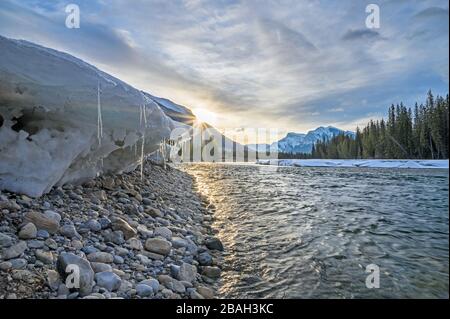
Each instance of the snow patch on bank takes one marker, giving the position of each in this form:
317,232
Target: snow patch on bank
443,164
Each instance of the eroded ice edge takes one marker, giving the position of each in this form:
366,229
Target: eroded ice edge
442,164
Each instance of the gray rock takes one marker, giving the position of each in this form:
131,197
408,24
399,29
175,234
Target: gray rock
205,259
89,250
214,243
187,273
5,240
158,246
41,233
143,290
18,263
146,201
100,267
104,222
122,225
14,251
29,231
193,294
53,215
178,242
118,260
6,265
206,292
115,237
93,225
69,231
211,272
34,244
108,280
135,243
163,232
51,243
86,282
48,221
152,283
76,244
53,279
100,257
45,256
172,283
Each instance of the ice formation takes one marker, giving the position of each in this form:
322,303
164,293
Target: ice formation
64,121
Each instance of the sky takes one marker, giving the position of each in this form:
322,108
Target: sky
292,65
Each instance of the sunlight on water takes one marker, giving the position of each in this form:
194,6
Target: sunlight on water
310,232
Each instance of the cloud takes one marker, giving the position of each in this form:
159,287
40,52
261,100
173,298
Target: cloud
351,35
287,63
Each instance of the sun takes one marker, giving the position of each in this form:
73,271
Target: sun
204,116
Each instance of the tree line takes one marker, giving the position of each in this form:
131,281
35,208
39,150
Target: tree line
416,133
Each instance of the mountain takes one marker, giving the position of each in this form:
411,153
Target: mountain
303,143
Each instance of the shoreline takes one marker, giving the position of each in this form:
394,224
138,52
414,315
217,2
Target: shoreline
361,163
131,239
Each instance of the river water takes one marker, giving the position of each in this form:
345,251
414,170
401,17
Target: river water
294,232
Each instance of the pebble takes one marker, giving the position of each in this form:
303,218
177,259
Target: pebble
18,263
108,280
5,240
143,290
158,246
14,251
100,267
41,233
93,225
163,232
135,244
214,243
205,259
211,272
206,292
69,231
153,283
45,256
85,270
121,239
122,225
100,257
29,231
47,221
187,272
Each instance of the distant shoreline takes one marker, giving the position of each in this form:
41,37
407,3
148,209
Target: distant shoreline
376,163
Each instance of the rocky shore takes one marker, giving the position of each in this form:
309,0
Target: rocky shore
127,237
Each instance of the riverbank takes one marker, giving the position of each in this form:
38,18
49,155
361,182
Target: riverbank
376,163
129,238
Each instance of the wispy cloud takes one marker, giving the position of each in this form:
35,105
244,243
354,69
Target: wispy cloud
288,63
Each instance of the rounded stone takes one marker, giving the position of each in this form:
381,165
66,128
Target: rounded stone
29,231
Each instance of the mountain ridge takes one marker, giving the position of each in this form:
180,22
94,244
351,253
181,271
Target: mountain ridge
297,143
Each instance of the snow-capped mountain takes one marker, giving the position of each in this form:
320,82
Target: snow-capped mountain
303,143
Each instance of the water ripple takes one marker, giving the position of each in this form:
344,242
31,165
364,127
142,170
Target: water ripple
309,232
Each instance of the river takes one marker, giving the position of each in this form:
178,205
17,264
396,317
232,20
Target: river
293,232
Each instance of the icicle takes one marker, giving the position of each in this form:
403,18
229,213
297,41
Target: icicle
142,156
99,117
143,119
